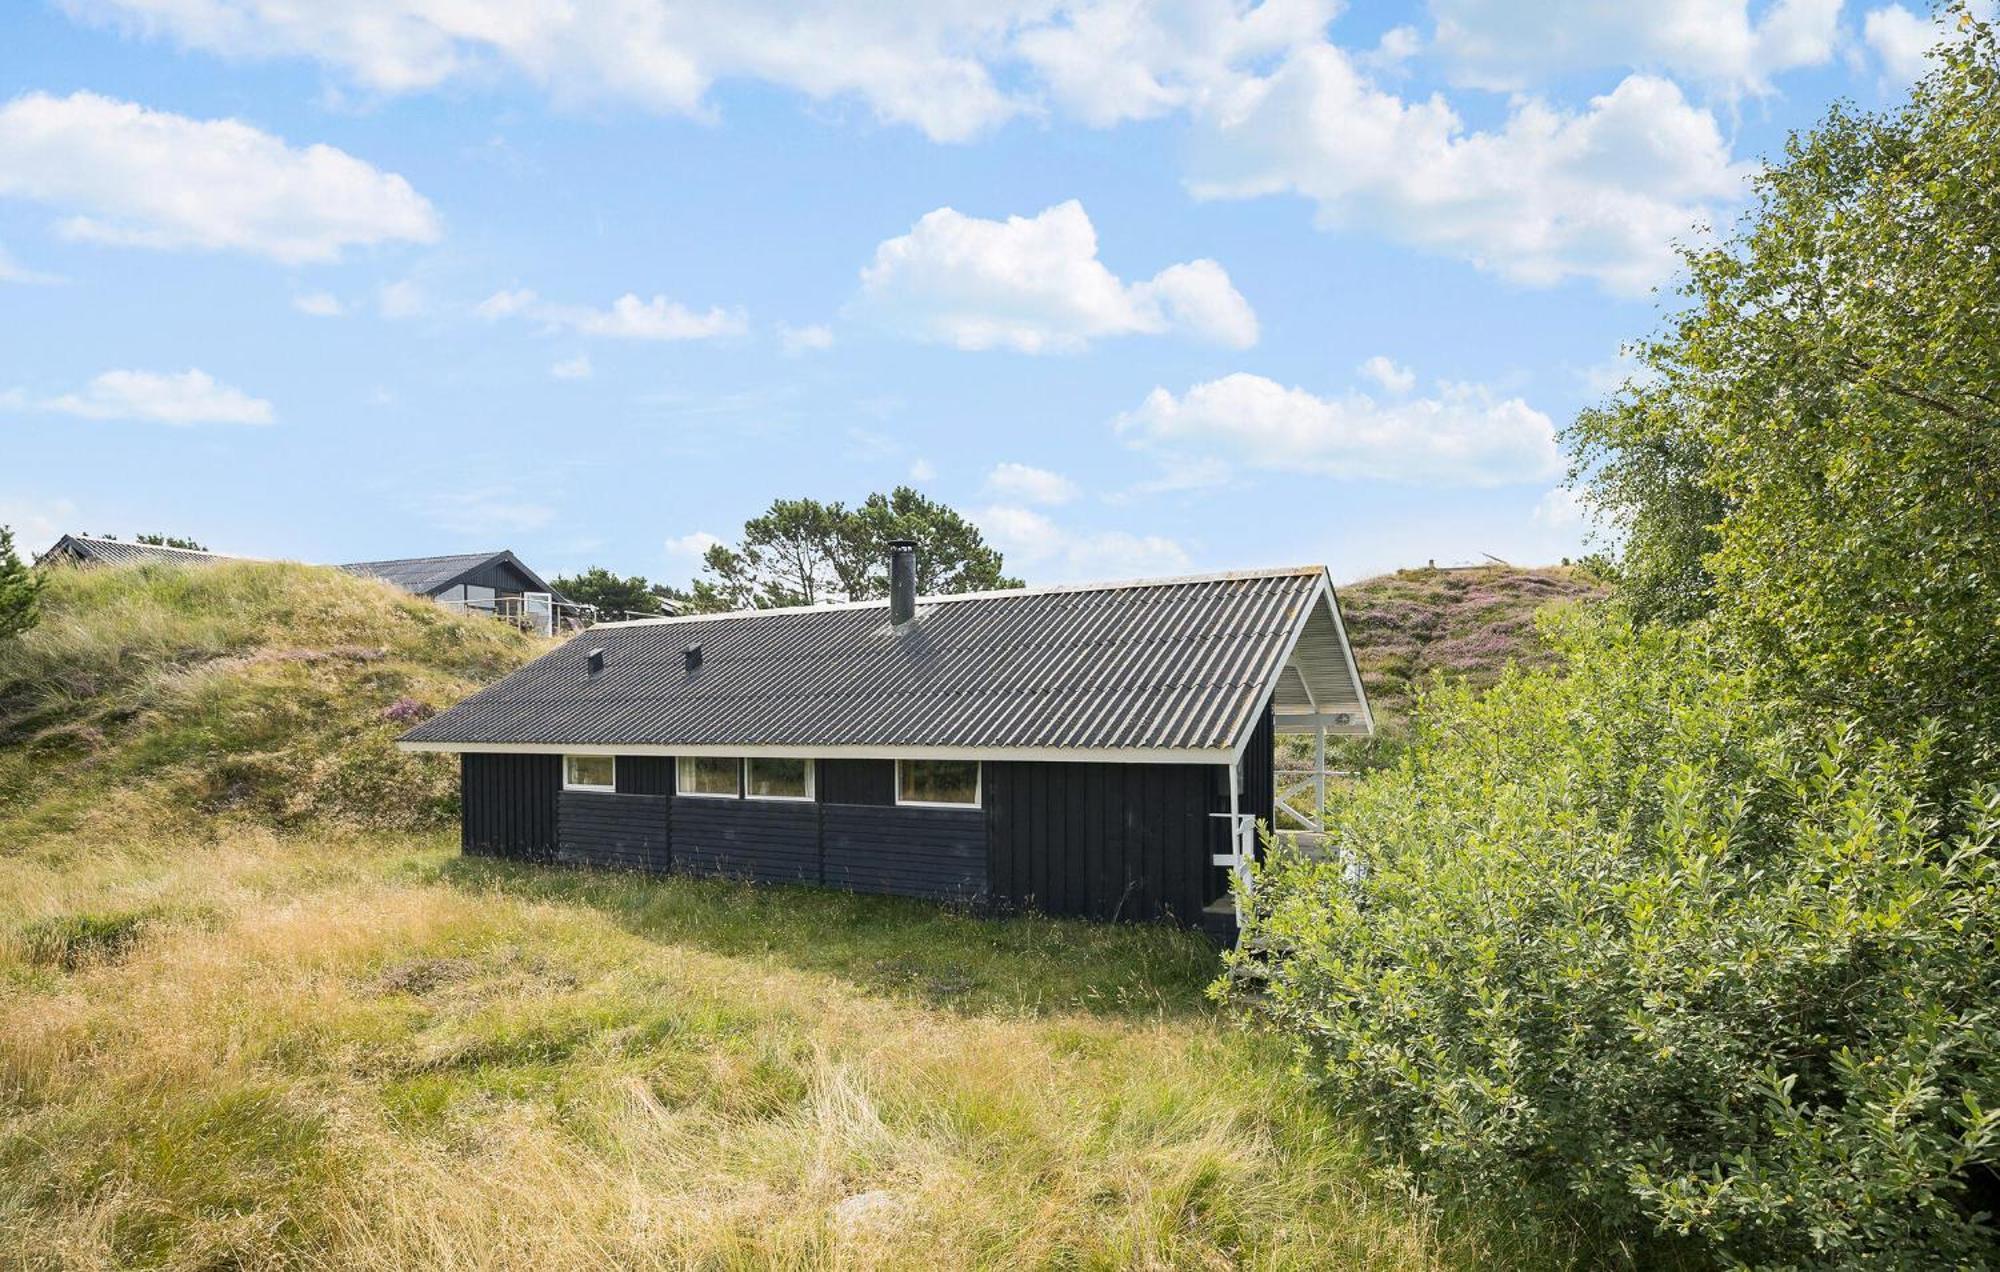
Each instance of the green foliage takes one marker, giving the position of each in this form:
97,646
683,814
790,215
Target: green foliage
1620,937
170,541
1814,448
20,590
612,596
802,552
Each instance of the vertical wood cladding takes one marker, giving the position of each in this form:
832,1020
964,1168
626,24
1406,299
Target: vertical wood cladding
769,841
645,775
912,852
598,828
1260,794
508,805
871,782
1106,841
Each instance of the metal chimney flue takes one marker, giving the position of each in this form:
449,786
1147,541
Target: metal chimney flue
902,581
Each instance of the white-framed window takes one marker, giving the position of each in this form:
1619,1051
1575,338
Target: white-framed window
777,777
709,776
938,783
590,772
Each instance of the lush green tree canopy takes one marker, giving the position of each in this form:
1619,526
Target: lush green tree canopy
803,552
1812,449
20,590
612,596
170,541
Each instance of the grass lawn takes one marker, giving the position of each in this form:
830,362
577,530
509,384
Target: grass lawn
365,1050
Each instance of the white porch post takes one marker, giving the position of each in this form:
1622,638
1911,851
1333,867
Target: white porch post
1319,777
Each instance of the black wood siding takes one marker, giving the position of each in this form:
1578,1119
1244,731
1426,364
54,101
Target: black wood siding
597,828
1106,841
1259,790
870,782
645,775
509,805
912,852
766,840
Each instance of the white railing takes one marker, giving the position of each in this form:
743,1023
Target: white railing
1242,848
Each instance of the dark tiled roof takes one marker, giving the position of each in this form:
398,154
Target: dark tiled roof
425,575
1179,665
121,552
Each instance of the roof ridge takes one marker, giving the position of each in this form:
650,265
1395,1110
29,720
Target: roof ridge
1005,593
135,543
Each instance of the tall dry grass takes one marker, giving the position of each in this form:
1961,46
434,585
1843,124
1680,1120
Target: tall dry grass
342,1052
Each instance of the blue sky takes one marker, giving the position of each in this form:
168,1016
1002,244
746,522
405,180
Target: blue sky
1142,288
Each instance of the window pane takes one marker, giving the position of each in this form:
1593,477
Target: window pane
939,781
590,770
710,775
778,778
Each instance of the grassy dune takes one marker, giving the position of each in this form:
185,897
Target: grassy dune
255,1010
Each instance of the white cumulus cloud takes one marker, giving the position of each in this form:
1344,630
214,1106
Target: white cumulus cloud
183,397
627,318
923,65
811,338
128,175
1464,436
1030,484
1035,284
1900,39
1561,509
1034,544
1600,193
1385,372
319,305
691,546
1505,45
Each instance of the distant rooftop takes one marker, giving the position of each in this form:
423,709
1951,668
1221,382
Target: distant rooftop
103,551
426,576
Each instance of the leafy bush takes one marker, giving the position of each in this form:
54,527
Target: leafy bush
1617,935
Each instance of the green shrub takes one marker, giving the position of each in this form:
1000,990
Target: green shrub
1617,938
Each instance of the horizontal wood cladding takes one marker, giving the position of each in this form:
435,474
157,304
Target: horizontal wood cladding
765,840
645,775
508,805
597,828
1105,841
912,852
871,782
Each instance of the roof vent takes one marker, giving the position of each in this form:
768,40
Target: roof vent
693,656
902,581
596,661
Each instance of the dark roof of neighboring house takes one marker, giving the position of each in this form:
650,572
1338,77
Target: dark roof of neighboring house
426,576
1167,669
100,551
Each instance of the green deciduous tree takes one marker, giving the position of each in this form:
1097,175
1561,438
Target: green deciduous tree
20,589
1812,452
804,552
612,595
169,541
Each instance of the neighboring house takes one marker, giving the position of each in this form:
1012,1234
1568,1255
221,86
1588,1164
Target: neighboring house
496,583
84,549
1100,750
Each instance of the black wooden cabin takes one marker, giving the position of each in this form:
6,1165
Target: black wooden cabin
1103,751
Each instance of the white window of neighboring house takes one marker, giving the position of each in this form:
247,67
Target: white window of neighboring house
715,776
590,772
938,783
778,777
